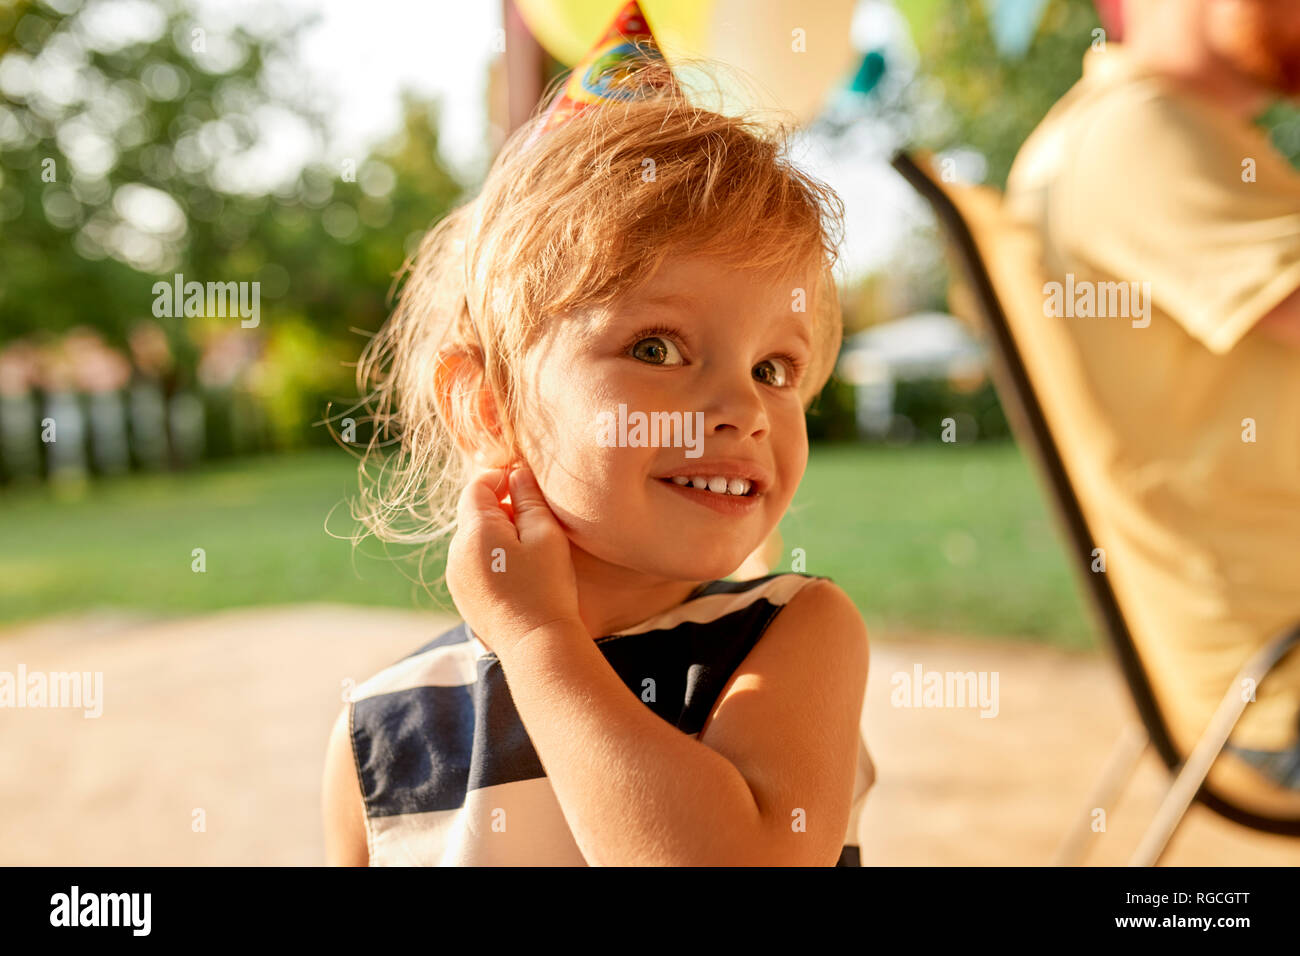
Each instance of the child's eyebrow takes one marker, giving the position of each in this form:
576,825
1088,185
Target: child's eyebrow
679,299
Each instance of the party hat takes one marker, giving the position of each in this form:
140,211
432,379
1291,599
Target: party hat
606,72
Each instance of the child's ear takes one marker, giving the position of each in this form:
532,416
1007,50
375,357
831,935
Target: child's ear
466,405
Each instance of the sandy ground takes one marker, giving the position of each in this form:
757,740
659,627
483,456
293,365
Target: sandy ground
227,714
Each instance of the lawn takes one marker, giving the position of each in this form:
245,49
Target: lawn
936,537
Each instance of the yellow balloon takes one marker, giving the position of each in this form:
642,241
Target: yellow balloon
784,55
568,29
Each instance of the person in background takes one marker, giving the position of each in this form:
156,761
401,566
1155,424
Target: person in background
1152,172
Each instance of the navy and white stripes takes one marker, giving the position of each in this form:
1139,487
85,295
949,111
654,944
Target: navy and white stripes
450,777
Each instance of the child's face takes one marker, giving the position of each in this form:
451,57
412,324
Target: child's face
727,364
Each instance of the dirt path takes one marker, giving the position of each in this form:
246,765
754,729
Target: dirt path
228,714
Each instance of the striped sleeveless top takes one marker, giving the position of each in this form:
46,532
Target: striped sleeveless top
439,746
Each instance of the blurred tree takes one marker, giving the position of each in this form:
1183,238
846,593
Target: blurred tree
343,247
993,100
122,134
135,141
1282,120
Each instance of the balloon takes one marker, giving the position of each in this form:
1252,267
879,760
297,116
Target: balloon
869,72
790,54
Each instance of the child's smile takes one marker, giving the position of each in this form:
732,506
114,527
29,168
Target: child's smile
729,487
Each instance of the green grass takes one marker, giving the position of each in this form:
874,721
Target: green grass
938,537
128,542
929,537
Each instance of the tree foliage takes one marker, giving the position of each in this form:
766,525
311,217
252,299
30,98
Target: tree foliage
993,101
134,138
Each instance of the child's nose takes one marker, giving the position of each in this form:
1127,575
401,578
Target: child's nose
738,406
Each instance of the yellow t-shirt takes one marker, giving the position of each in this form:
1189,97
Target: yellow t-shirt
1194,458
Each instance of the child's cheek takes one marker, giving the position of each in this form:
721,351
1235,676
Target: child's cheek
581,479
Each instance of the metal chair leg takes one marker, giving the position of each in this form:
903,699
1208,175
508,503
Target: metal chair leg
1197,766
1124,757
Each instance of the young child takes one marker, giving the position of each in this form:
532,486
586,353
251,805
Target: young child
610,698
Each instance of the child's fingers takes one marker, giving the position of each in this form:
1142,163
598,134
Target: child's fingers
495,478
532,513
480,502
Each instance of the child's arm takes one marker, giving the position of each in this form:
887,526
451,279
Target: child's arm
341,806
768,782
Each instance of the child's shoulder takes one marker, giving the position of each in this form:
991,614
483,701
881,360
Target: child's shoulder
796,603
815,604
814,592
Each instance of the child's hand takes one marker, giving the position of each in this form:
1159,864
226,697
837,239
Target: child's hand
507,576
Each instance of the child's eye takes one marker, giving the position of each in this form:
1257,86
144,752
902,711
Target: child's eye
660,351
783,378
657,347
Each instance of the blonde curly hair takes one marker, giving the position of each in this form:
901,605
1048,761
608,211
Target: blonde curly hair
577,218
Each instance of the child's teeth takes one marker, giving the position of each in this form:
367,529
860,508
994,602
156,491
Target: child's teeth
717,484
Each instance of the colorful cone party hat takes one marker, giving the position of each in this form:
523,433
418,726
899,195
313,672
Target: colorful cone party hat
605,73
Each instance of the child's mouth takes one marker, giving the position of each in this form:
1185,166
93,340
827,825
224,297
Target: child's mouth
723,502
